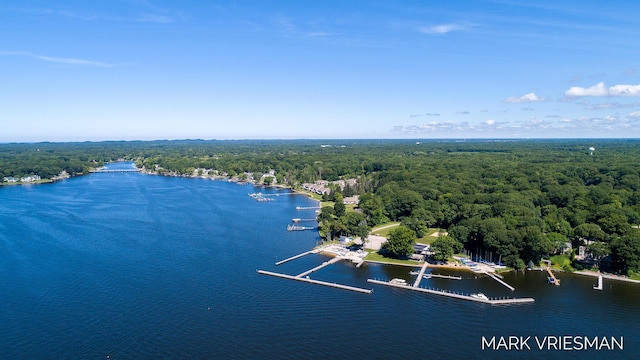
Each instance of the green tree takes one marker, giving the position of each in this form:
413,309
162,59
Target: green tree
371,206
356,224
327,213
339,206
444,247
400,242
625,251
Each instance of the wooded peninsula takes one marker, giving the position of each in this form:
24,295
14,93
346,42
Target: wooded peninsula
521,200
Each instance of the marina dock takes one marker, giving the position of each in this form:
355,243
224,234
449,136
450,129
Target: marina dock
297,220
451,277
307,207
315,251
311,281
326,263
491,301
299,228
552,278
494,277
420,274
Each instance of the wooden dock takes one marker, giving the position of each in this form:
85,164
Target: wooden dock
552,278
311,281
491,301
500,281
315,251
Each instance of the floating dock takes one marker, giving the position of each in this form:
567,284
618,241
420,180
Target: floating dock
451,277
420,274
599,285
552,279
307,207
326,263
299,228
311,281
315,251
494,277
297,220
491,301
260,197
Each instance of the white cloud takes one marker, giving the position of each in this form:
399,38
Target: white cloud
57,60
596,90
625,90
490,122
530,97
445,28
70,61
601,90
634,115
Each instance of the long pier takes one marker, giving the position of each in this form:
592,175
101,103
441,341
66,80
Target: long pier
299,228
451,277
315,251
454,295
326,263
312,281
500,281
297,220
307,207
419,278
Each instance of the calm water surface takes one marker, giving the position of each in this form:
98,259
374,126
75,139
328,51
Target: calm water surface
131,266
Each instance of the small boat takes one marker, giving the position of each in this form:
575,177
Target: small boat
480,296
398,281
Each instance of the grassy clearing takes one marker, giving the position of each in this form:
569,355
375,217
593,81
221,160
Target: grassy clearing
383,230
561,262
375,256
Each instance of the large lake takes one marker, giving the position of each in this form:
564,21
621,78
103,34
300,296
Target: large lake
132,266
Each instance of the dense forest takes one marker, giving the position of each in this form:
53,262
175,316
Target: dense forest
518,199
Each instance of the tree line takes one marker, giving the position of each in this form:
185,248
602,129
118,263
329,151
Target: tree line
520,199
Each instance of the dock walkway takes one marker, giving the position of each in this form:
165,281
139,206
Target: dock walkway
419,278
314,251
490,301
552,278
494,277
326,263
311,281
451,277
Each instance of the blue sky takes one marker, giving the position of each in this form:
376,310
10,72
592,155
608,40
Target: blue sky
75,70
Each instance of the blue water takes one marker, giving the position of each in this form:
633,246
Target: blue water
133,266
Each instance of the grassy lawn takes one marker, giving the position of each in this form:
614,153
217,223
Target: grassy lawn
383,230
374,256
560,261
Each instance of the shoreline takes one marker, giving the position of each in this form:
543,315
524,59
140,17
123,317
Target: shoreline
606,276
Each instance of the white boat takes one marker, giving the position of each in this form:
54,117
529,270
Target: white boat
480,296
398,281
